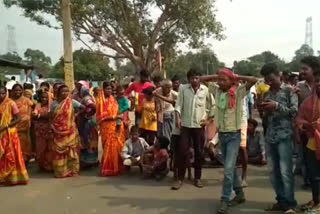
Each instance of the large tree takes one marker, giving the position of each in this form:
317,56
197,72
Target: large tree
253,64
88,65
303,51
205,61
39,60
134,29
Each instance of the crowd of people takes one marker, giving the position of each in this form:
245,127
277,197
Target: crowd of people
176,127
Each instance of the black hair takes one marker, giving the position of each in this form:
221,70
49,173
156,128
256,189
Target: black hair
164,142
119,88
175,78
148,91
134,128
61,87
16,85
144,73
3,87
253,122
157,78
312,62
316,74
45,84
193,72
57,84
270,68
286,73
27,86
13,78
40,76
106,84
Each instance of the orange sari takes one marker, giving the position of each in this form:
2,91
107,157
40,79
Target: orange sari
44,138
25,108
65,147
12,167
112,141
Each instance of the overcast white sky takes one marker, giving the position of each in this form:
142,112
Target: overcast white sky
252,26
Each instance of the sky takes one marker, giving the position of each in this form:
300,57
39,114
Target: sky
251,27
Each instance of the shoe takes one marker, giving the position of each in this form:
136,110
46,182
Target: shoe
274,207
244,184
198,183
237,200
223,209
176,185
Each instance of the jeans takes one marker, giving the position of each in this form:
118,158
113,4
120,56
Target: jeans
313,165
280,156
230,144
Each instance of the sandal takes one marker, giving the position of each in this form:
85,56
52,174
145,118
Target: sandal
290,211
274,207
307,206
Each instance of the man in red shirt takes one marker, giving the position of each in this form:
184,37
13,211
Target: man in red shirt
137,88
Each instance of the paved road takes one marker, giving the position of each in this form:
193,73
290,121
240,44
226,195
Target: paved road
129,194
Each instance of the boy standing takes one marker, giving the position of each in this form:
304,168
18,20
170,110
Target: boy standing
229,109
280,106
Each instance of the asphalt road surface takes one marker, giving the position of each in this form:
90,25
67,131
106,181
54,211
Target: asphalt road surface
130,194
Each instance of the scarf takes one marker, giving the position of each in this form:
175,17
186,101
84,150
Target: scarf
222,102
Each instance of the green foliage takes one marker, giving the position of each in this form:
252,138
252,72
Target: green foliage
131,27
41,62
88,65
205,61
253,64
14,57
303,51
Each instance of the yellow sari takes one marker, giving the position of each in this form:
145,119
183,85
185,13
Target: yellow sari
66,141
12,166
25,108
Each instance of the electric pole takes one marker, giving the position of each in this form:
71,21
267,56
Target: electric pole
67,44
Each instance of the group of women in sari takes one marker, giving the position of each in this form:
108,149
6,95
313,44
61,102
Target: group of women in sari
65,131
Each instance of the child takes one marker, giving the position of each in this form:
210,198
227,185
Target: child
156,158
133,149
148,123
123,107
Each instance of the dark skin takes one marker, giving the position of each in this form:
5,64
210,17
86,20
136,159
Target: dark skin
16,92
306,73
15,120
176,85
44,100
275,83
107,93
166,89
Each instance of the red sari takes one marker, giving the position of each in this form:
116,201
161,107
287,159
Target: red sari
12,167
25,108
44,138
65,147
112,141
309,113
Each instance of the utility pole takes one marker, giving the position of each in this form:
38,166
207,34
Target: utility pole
67,44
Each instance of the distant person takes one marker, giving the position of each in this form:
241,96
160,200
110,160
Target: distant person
138,96
176,83
156,80
255,144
